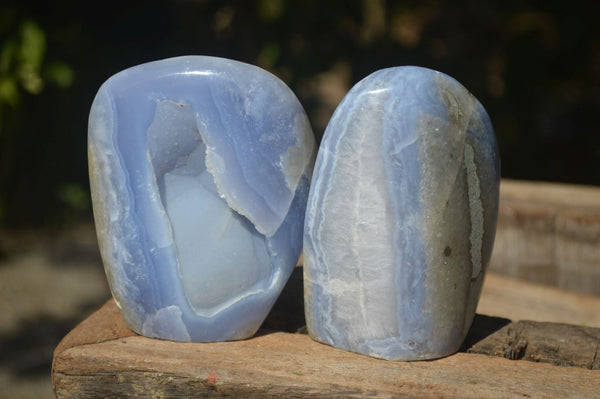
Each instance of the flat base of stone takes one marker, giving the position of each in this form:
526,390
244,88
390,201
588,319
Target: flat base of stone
103,358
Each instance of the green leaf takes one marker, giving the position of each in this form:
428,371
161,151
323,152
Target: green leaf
7,56
60,74
269,55
31,54
9,91
271,10
33,44
74,196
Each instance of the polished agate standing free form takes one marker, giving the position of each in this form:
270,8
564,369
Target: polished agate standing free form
199,171
401,217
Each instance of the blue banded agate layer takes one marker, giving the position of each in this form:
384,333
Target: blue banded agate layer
401,217
199,170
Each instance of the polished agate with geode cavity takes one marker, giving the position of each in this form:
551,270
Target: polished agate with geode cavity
199,170
401,217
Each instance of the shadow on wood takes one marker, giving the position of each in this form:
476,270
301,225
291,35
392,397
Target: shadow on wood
483,326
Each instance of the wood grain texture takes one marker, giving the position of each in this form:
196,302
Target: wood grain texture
516,299
549,233
101,358
554,343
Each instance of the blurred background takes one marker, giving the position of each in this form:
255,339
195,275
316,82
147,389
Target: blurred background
534,65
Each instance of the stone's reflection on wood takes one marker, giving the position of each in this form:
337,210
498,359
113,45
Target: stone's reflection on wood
401,217
199,170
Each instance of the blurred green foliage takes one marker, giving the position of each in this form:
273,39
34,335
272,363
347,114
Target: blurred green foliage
534,65
24,70
22,66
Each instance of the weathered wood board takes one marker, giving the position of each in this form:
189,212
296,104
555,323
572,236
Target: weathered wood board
102,358
519,300
549,233
555,343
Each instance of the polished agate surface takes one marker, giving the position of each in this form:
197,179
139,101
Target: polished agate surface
401,217
199,170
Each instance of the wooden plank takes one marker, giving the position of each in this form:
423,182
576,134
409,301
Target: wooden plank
549,233
554,343
102,358
558,194
519,300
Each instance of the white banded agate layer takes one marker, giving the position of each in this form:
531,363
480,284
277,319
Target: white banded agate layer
401,217
199,169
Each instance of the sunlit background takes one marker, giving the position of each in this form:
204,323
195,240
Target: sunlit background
535,66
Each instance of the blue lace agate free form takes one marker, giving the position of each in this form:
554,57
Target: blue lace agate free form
199,169
401,217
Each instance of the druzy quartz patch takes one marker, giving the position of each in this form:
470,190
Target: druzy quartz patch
199,170
401,217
